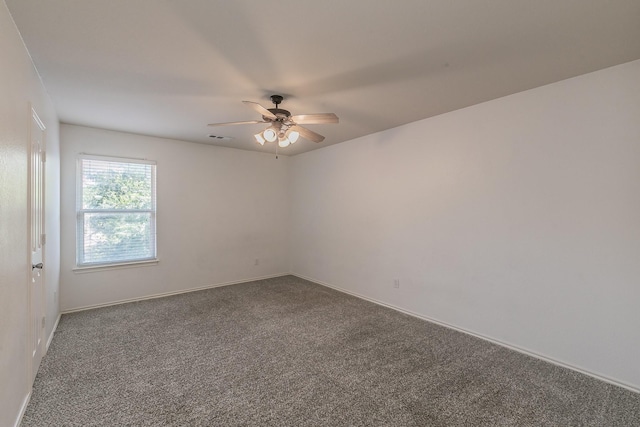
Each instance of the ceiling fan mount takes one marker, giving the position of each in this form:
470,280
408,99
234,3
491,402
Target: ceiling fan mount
280,113
284,127
277,99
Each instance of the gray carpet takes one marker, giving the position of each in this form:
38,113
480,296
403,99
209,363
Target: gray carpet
286,352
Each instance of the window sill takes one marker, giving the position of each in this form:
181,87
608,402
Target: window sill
95,268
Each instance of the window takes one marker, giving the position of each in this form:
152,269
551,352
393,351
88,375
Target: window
116,211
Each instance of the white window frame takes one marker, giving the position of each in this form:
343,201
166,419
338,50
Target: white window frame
80,214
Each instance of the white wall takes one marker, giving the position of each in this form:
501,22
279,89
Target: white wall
219,209
517,219
52,221
20,87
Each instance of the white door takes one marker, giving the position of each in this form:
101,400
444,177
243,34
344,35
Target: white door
36,243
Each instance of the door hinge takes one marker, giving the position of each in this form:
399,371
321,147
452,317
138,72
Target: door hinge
43,238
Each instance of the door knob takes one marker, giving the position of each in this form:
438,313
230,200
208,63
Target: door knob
38,266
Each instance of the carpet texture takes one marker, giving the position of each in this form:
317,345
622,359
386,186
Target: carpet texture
287,352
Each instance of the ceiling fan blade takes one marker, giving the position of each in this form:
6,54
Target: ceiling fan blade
237,123
312,119
260,109
308,134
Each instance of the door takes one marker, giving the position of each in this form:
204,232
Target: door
36,243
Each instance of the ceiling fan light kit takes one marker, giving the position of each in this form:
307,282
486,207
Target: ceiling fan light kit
284,127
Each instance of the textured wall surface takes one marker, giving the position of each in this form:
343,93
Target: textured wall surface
20,89
517,219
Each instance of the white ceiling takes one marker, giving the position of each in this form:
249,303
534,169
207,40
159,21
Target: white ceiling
167,67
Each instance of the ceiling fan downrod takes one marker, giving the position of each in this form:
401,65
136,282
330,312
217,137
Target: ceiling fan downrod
277,99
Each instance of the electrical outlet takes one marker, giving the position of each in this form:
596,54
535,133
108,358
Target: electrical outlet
396,283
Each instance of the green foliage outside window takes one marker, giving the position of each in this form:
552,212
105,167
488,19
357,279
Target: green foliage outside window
125,187
109,235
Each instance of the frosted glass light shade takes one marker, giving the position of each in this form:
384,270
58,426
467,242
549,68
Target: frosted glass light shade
269,134
259,138
284,142
293,136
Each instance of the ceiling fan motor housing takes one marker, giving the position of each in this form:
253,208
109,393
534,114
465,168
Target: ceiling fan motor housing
279,113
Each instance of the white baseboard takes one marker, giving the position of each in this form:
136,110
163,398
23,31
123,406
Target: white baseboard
23,409
477,335
166,294
53,330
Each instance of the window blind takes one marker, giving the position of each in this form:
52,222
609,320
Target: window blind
116,211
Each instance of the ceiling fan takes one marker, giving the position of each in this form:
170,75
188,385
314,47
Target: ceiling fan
284,127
